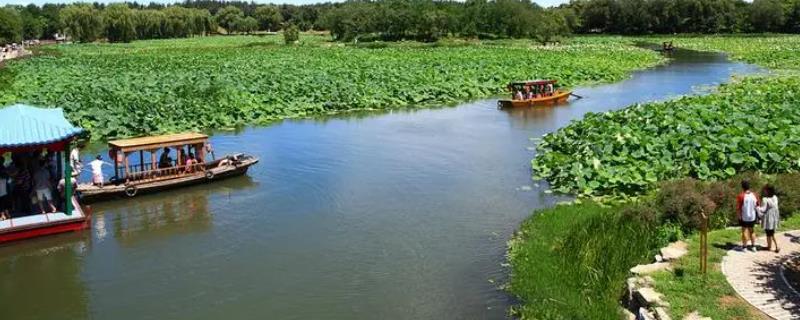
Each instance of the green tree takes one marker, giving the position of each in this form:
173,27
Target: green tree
228,16
10,26
550,27
32,25
246,25
767,15
120,23
291,34
149,23
82,22
269,18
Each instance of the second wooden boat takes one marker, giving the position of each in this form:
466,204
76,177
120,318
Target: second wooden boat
189,168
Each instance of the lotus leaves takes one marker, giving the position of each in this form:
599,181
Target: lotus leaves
119,90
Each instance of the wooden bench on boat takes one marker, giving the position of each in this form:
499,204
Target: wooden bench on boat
131,179
543,93
24,131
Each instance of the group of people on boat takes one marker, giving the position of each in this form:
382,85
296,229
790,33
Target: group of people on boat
29,181
529,92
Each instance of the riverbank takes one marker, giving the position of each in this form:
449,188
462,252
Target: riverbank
562,256
119,90
699,137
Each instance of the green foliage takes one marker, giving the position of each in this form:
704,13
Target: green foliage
246,25
228,16
10,26
627,151
551,26
146,87
291,34
269,18
32,25
120,23
571,261
82,22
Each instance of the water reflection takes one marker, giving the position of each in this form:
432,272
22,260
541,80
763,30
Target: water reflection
42,279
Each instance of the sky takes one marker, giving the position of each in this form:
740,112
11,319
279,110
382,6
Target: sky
544,3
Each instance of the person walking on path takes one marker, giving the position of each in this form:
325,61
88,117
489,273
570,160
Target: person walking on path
746,204
770,216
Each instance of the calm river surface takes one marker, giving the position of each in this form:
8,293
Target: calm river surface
393,215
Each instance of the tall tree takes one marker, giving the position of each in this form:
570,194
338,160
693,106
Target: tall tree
228,16
269,17
120,23
766,15
82,22
10,26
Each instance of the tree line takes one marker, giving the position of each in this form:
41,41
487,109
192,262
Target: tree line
390,20
124,22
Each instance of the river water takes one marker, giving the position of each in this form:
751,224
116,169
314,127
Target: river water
391,215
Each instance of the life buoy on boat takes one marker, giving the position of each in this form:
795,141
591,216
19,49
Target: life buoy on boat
130,191
209,174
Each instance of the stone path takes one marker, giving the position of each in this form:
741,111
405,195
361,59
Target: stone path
757,277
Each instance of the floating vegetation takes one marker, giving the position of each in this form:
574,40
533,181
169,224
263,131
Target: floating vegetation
120,90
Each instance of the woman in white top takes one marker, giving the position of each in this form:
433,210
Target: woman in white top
97,170
770,215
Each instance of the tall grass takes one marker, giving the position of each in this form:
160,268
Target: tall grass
571,262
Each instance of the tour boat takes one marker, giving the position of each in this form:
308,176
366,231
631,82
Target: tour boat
131,179
544,92
25,130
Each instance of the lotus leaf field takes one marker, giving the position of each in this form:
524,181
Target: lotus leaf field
120,90
750,124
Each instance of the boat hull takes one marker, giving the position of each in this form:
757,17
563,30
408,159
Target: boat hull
33,230
559,97
90,193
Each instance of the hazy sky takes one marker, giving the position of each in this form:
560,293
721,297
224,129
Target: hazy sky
544,3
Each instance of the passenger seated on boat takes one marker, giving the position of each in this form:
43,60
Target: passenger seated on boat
518,95
191,163
21,188
550,90
165,161
42,187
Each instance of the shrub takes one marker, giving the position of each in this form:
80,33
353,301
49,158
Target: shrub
291,34
681,202
788,188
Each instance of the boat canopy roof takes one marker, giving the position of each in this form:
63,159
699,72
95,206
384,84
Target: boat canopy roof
155,142
26,128
531,82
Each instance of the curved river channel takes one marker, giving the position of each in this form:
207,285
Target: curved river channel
392,215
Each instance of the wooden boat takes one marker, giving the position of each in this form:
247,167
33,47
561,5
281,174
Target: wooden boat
543,91
26,131
131,179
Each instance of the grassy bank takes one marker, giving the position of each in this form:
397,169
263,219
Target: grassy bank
571,261
223,82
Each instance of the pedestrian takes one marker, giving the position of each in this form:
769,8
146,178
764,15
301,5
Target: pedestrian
5,198
42,186
746,204
75,159
97,170
770,215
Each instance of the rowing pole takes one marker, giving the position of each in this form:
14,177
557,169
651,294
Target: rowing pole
575,95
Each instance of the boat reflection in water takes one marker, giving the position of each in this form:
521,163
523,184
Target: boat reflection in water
157,216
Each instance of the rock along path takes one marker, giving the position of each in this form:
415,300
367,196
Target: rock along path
757,276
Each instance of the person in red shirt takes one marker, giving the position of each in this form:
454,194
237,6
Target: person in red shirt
746,204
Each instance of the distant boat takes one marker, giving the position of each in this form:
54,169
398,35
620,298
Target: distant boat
146,177
543,93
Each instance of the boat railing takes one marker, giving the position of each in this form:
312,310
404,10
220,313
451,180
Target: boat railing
138,174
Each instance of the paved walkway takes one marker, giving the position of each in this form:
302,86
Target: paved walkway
756,276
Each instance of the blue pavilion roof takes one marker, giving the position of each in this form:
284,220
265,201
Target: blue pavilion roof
23,125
